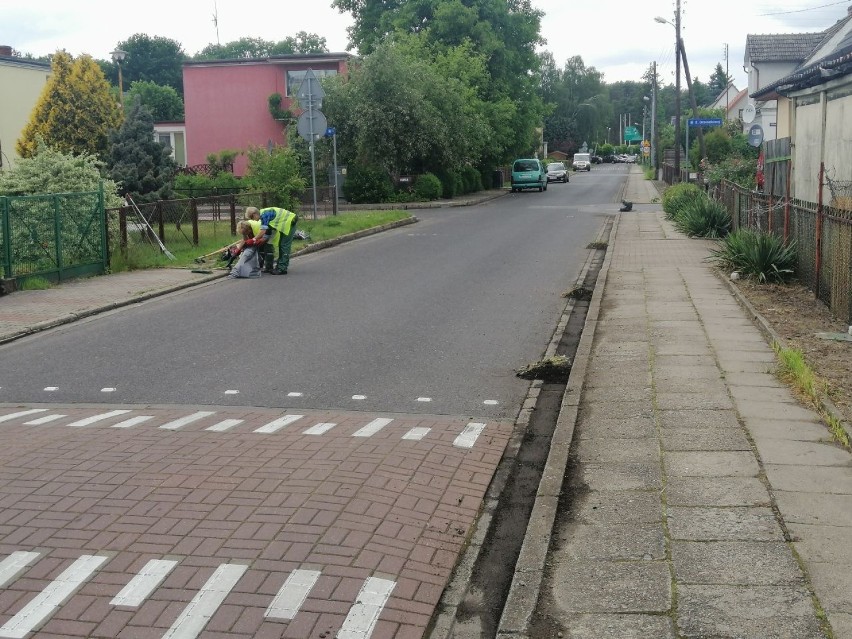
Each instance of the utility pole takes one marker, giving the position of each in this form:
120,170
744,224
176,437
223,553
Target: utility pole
727,85
701,147
677,93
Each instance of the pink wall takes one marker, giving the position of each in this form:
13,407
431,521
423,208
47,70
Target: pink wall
226,106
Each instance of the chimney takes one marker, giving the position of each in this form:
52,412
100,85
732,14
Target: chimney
5,50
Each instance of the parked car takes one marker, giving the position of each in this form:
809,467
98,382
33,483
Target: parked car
582,162
528,173
596,159
610,159
556,172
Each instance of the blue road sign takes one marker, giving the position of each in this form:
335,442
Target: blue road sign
696,122
330,131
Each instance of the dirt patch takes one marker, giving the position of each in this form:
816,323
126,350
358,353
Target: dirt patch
797,316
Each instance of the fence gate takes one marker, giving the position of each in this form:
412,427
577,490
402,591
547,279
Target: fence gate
58,236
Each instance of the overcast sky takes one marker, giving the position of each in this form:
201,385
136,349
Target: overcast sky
617,37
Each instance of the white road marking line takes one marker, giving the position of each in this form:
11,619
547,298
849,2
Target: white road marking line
108,390
127,423
469,435
424,399
143,584
224,425
53,596
232,392
294,394
319,429
203,606
417,433
359,397
491,402
14,564
50,389
372,428
97,418
183,421
292,594
278,424
23,413
44,420
365,612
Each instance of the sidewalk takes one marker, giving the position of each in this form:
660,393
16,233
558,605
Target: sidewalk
702,500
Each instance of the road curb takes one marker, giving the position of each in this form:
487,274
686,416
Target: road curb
530,567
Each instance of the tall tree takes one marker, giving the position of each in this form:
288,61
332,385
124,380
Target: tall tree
302,42
164,102
718,81
75,112
155,59
137,162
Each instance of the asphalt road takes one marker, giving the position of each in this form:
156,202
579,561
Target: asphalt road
433,318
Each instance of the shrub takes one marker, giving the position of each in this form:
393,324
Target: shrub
741,171
471,180
367,185
275,171
677,196
757,255
428,187
704,217
451,183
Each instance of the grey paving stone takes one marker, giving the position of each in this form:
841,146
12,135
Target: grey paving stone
744,365
612,586
620,393
682,347
630,626
835,480
610,410
632,376
819,543
746,612
603,450
663,362
802,453
808,430
698,419
815,508
841,624
621,349
690,385
623,506
630,428
775,410
763,380
735,563
832,583
711,464
738,523
705,439
762,393
686,371
694,401
612,542
716,491
617,476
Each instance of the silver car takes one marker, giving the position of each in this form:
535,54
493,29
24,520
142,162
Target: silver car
556,172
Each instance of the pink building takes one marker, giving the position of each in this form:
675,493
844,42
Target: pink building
227,101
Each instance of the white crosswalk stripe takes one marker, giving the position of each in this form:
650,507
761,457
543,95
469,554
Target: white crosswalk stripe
225,424
144,583
44,420
198,612
372,428
14,564
469,435
319,429
278,424
364,614
183,421
23,413
292,594
98,418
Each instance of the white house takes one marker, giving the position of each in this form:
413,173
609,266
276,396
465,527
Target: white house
732,100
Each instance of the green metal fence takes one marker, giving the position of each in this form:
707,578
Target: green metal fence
58,236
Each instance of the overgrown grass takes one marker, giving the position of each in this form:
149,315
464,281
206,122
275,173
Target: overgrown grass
703,217
34,283
761,256
678,196
212,238
794,370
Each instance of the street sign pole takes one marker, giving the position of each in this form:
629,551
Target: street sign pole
312,121
334,146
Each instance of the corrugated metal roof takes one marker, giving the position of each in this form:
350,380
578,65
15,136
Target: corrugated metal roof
782,47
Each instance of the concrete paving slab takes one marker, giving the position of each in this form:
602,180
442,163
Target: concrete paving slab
815,508
629,626
841,624
698,419
762,393
704,439
767,380
686,371
746,612
628,427
790,411
711,464
716,491
617,476
786,429
615,410
682,347
692,361
803,453
633,376
623,506
819,543
832,583
690,385
694,401
600,394
613,542
735,563
612,586
646,451
723,524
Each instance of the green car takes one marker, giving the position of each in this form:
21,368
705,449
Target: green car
528,173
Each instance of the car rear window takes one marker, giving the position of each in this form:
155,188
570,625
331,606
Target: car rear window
556,166
526,165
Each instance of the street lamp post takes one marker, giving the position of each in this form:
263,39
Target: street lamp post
676,25
118,57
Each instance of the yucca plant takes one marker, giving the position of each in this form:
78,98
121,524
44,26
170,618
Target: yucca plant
757,255
704,217
678,196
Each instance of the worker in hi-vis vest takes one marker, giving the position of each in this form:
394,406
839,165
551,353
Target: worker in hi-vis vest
277,227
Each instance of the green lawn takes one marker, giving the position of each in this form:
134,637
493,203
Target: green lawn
216,236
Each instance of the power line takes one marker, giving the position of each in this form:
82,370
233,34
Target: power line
822,6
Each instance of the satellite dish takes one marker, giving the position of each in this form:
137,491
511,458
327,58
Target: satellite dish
749,114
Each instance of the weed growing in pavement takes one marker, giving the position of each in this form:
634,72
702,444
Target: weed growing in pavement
598,246
579,293
34,284
795,371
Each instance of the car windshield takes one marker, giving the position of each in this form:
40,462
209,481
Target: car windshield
526,165
556,166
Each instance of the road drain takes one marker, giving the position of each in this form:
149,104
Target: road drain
477,614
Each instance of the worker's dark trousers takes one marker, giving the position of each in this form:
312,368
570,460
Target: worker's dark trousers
285,244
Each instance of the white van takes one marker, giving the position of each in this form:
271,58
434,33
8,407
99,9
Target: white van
582,162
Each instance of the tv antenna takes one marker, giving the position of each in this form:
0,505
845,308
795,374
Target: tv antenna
216,21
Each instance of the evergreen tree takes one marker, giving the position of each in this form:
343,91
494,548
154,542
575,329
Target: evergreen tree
718,81
163,101
75,112
141,166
